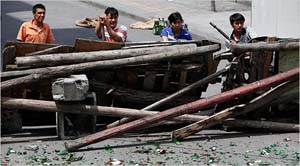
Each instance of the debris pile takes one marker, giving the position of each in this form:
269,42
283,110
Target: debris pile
148,84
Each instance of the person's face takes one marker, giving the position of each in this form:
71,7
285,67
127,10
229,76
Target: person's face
113,20
177,25
39,15
238,26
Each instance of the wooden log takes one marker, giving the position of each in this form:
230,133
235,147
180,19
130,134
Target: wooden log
131,45
79,57
76,108
261,101
51,50
69,69
156,43
173,96
183,109
273,126
85,45
264,46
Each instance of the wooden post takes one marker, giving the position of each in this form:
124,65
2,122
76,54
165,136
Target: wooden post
234,111
183,109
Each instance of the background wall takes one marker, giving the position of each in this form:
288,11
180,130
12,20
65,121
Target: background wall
280,18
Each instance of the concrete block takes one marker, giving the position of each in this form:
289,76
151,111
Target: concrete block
73,88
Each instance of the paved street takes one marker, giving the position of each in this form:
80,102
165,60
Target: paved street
208,147
61,19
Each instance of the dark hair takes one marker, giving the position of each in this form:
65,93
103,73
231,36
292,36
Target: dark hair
112,11
236,17
40,6
175,16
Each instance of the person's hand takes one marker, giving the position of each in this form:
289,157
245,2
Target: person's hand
232,42
102,18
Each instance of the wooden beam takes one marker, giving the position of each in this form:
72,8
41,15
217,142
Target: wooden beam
183,109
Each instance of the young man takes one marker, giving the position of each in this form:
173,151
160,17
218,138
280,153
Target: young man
175,31
36,31
240,34
108,28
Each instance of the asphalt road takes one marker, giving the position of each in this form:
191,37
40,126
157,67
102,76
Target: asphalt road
61,16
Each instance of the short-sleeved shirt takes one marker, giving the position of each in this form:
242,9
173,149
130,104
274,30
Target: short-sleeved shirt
120,30
28,33
168,32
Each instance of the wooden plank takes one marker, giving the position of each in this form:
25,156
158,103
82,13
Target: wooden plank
84,45
23,48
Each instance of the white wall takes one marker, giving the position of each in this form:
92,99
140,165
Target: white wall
280,18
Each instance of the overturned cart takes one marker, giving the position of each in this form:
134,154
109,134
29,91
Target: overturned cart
130,75
242,94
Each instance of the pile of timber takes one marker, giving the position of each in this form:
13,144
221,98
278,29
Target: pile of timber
271,90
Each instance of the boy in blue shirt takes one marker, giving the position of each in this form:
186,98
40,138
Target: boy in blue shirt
175,31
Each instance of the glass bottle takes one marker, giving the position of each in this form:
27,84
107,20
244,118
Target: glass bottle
155,29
